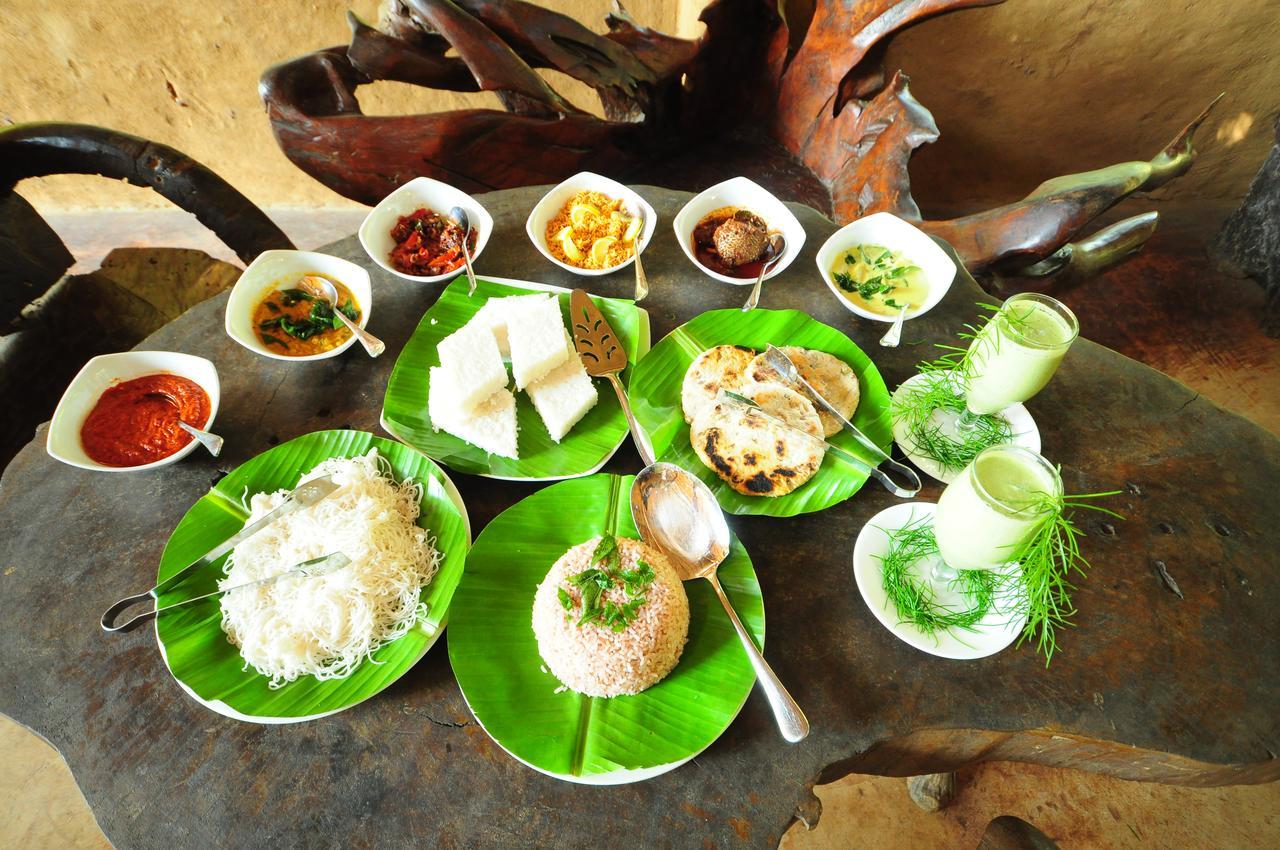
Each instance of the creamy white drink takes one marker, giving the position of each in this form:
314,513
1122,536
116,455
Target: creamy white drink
1018,351
993,507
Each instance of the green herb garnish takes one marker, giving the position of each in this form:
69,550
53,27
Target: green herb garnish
268,339
913,408
916,600
845,281
594,581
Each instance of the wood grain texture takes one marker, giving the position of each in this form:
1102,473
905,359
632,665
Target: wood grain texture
1147,684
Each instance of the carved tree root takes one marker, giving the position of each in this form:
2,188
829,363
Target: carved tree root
836,110
932,792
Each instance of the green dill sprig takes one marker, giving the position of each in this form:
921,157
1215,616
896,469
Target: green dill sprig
913,407
916,600
1047,561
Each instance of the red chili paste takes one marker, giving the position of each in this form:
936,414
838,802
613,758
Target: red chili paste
136,422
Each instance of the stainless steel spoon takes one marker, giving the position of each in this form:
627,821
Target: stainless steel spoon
676,512
894,335
460,215
322,288
779,244
642,281
212,442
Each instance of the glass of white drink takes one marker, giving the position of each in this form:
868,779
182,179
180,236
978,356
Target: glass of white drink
1016,353
993,508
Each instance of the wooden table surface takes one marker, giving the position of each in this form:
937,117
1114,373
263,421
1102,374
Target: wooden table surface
1149,685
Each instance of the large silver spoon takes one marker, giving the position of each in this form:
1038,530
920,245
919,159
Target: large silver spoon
779,244
323,288
464,221
676,512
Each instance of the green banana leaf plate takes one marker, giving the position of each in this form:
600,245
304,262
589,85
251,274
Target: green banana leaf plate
194,647
567,735
582,451
655,397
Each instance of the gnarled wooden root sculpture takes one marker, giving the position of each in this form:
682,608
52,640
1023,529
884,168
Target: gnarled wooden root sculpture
831,109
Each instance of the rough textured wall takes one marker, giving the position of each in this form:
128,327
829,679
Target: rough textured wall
1037,88
186,74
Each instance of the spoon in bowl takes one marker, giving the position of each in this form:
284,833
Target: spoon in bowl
779,244
212,442
322,288
642,281
676,512
460,215
894,335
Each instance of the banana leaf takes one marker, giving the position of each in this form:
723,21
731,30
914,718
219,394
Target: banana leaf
655,397
495,655
197,652
580,452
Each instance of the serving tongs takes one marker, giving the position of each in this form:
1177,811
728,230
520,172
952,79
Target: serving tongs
783,365
304,496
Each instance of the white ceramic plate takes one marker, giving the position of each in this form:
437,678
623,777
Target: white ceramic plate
375,231
281,269
901,238
552,202
1025,434
740,192
63,441
219,707
997,630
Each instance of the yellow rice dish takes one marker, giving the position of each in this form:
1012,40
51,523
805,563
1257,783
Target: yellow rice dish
593,231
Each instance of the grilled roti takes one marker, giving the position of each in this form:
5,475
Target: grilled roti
752,455
719,368
829,375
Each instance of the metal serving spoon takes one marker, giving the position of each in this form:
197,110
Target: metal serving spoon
460,215
677,513
212,442
894,335
779,244
673,509
642,281
322,288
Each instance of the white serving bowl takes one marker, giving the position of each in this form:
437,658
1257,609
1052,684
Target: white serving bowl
740,192
900,237
375,231
277,269
585,181
106,370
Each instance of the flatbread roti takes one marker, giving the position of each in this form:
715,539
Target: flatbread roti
829,375
719,368
754,456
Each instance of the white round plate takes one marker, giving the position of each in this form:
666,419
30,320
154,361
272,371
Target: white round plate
997,630
1025,434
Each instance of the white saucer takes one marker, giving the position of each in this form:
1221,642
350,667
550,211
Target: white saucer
997,630
1025,433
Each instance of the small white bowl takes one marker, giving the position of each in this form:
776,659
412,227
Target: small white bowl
106,370
740,192
900,237
375,231
274,269
585,181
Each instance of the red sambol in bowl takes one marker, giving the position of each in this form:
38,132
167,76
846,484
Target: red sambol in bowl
412,234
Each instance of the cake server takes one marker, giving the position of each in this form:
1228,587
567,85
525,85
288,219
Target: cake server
604,357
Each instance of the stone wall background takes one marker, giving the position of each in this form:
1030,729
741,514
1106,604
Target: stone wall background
1022,92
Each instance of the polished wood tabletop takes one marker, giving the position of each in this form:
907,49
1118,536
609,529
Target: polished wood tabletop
1151,683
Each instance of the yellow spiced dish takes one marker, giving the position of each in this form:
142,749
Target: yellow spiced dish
593,231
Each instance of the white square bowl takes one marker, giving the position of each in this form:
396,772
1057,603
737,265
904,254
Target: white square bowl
106,370
740,192
375,231
274,269
898,236
545,210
